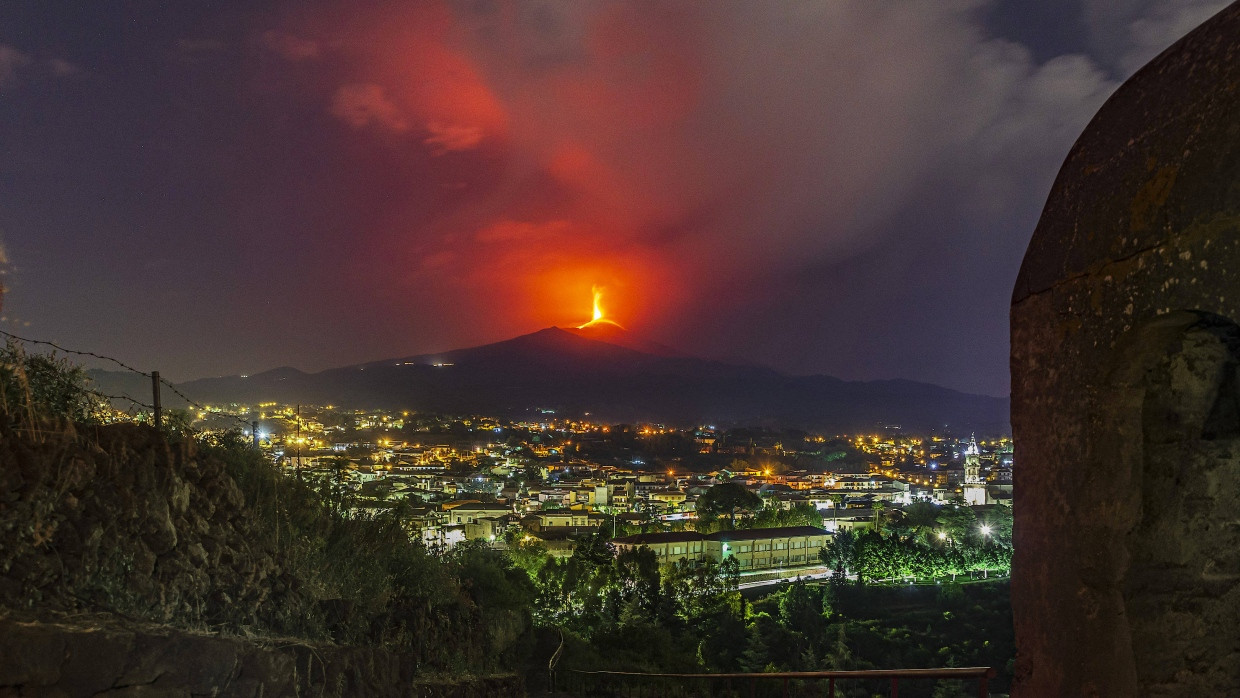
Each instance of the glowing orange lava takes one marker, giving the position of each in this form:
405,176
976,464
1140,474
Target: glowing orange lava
599,317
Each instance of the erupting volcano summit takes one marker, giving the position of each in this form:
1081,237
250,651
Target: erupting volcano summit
599,315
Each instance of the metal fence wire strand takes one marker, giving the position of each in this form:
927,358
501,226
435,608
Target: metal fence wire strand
57,347
112,398
201,407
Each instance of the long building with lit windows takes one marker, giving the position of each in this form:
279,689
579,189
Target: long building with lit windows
753,549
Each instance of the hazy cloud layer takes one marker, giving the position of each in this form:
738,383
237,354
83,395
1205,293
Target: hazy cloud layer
11,60
363,104
294,48
1128,33
15,62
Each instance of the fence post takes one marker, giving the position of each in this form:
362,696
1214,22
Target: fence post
159,417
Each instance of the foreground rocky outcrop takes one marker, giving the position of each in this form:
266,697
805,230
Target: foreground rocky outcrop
103,656
119,518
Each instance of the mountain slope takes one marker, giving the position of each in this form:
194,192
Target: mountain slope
577,371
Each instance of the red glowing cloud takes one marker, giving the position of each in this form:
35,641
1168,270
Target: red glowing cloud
704,162
545,213
557,196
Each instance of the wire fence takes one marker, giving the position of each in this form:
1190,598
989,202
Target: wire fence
155,407
134,402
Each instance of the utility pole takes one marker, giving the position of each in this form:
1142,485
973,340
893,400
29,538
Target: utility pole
159,412
254,432
298,442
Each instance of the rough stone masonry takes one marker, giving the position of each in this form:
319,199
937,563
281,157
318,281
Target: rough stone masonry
1125,406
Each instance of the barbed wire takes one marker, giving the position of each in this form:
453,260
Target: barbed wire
202,407
131,410
56,346
162,381
135,401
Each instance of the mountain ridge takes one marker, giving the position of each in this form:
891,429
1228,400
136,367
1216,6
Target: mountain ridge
575,371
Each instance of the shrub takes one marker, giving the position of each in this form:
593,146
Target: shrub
41,386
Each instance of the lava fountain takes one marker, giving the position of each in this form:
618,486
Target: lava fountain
600,317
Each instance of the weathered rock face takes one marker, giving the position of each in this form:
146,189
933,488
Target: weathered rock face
127,522
102,657
1125,407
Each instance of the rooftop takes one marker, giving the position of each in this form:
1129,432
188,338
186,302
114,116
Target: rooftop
656,538
760,533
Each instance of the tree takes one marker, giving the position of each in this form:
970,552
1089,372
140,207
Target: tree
701,594
999,521
757,654
921,517
532,472
838,501
839,554
336,487
530,556
727,498
800,609
637,579
839,656
957,521
595,549
773,515
879,507
804,515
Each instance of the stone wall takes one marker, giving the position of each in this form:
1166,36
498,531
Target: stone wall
99,656
118,518
1124,393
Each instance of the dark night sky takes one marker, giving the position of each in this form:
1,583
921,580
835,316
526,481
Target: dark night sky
836,186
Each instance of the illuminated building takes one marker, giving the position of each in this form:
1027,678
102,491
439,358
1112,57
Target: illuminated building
757,548
974,487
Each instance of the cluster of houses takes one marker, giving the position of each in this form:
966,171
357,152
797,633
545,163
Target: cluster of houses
501,481
446,509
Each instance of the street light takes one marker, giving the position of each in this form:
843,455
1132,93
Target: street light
985,530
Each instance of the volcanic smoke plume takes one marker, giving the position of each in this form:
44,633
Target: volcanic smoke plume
701,159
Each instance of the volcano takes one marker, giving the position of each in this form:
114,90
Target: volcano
614,334
615,376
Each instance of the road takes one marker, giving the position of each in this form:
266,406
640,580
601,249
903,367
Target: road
785,576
